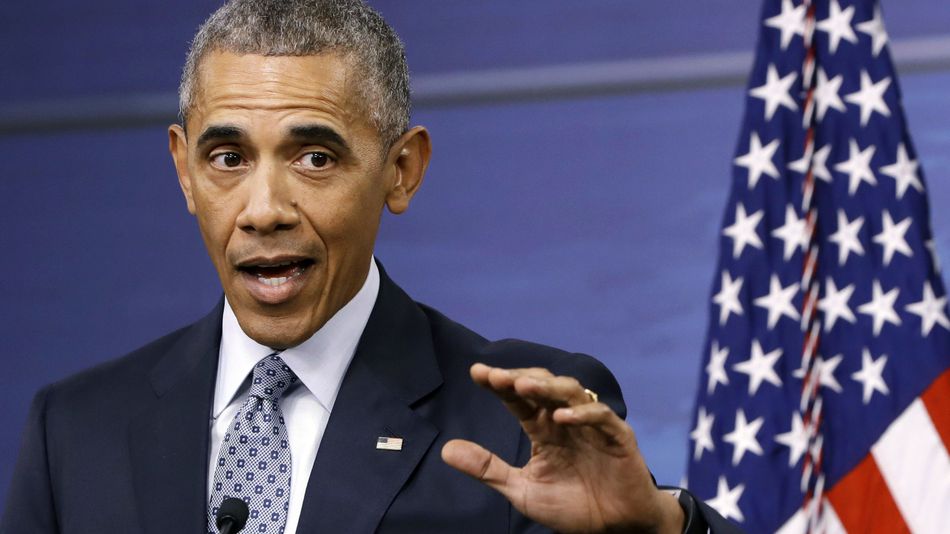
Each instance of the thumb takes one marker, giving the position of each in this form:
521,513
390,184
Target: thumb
480,464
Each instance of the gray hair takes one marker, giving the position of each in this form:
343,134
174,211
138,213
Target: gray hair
308,27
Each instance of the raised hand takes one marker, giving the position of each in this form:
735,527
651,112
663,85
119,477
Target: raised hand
585,473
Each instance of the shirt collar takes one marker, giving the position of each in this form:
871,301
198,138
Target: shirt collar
319,362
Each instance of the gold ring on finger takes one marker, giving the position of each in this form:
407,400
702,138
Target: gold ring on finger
593,396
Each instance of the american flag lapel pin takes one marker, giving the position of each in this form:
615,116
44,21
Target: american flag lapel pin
384,443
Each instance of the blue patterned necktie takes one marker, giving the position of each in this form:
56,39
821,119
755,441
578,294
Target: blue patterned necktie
254,459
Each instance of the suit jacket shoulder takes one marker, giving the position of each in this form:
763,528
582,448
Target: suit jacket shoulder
466,347
108,387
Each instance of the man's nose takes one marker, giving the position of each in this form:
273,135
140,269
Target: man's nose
269,207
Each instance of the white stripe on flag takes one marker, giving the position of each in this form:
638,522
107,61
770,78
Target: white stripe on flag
795,524
798,523
916,467
830,524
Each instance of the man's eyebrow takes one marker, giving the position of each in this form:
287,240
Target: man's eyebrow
318,134
220,133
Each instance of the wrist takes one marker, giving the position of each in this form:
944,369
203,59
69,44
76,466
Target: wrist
673,516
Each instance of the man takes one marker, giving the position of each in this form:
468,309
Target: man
317,392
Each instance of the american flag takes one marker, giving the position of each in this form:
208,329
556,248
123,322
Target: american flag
824,403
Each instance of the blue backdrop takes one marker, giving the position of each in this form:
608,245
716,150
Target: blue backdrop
588,223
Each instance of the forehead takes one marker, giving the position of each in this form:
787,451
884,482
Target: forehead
268,90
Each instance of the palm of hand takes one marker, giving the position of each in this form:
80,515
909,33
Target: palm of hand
578,479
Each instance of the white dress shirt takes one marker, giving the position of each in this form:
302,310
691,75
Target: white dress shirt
319,363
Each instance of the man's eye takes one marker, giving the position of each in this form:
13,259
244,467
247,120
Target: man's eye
227,160
315,160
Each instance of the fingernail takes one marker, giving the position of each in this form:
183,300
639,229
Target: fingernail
569,412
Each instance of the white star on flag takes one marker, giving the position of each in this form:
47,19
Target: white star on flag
795,439
838,26
834,304
759,159
846,237
728,297
819,167
870,97
742,231
778,301
826,372
930,309
717,366
775,92
726,501
702,434
760,367
904,172
857,166
881,307
743,438
792,233
875,29
870,375
826,94
791,22
892,239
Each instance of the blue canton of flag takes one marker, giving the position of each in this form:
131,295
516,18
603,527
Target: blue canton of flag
825,394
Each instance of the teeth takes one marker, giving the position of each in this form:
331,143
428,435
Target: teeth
274,282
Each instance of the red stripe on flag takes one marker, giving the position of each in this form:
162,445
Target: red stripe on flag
937,401
864,504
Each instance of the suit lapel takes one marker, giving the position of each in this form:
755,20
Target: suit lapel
353,483
169,440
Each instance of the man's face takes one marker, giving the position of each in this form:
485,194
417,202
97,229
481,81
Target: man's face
288,178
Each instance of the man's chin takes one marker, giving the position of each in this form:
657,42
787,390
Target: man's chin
277,333
275,326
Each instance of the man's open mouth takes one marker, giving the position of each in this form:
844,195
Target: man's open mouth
276,272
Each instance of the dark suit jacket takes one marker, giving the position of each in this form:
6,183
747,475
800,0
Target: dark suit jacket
123,447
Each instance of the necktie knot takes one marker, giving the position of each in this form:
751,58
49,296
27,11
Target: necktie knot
271,379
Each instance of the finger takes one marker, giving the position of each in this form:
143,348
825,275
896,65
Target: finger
481,375
552,390
480,464
598,416
501,382
498,377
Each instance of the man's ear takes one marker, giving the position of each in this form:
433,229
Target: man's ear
409,157
178,146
